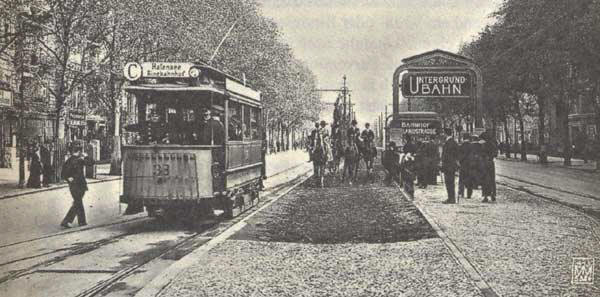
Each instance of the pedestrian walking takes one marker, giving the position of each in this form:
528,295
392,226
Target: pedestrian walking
450,153
489,152
72,172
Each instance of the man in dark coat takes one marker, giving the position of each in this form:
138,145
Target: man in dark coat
421,162
391,163
72,172
353,133
311,141
212,131
409,146
46,158
367,135
450,155
433,160
489,152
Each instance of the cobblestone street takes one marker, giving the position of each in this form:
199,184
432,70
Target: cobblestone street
522,245
361,240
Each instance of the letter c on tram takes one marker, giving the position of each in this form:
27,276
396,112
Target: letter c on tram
132,71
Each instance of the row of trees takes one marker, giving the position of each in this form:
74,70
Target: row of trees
85,44
538,57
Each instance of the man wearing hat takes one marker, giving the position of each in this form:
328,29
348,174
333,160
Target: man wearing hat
450,156
311,140
391,163
353,133
72,172
212,131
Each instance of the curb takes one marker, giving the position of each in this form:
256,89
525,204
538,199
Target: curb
530,161
470,270
163,280
57,187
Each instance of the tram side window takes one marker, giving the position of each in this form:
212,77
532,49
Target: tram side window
235,121
255,124
247,119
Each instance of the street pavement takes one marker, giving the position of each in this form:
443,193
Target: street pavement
36,255
342,240
32,215
523,245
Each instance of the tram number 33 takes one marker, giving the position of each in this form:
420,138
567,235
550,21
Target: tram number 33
160,169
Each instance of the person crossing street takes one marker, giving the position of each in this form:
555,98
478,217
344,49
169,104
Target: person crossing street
72,172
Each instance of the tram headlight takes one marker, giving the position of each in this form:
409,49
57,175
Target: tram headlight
194,72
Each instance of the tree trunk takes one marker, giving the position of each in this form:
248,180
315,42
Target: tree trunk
115,158
21,140
543,154
563,119
494,127
506,134
523,143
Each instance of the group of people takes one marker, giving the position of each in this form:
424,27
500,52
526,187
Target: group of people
207,131
354,135
41,172
472,159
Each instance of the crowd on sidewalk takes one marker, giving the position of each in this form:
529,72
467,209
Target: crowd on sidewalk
472,159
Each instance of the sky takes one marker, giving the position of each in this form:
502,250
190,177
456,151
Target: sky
367,39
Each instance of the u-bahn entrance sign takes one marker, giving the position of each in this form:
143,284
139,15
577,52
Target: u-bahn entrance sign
438,74
436,85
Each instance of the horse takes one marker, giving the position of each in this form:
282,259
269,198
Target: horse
351,161
337,150
368,153
321,156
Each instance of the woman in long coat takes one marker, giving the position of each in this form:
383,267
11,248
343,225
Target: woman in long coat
35,170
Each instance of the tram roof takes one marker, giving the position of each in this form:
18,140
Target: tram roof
232,85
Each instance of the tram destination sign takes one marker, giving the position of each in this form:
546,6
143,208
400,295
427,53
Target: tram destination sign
134,71
436,85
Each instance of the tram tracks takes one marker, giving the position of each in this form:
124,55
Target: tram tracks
120,222
274,193
584,195
177,250
592,215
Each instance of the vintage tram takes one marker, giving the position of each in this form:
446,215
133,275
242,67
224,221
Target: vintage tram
420,125
198,151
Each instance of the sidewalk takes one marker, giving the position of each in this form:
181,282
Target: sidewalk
577,164
520,245
9,177
9,180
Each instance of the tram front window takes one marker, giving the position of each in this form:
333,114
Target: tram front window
176,119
